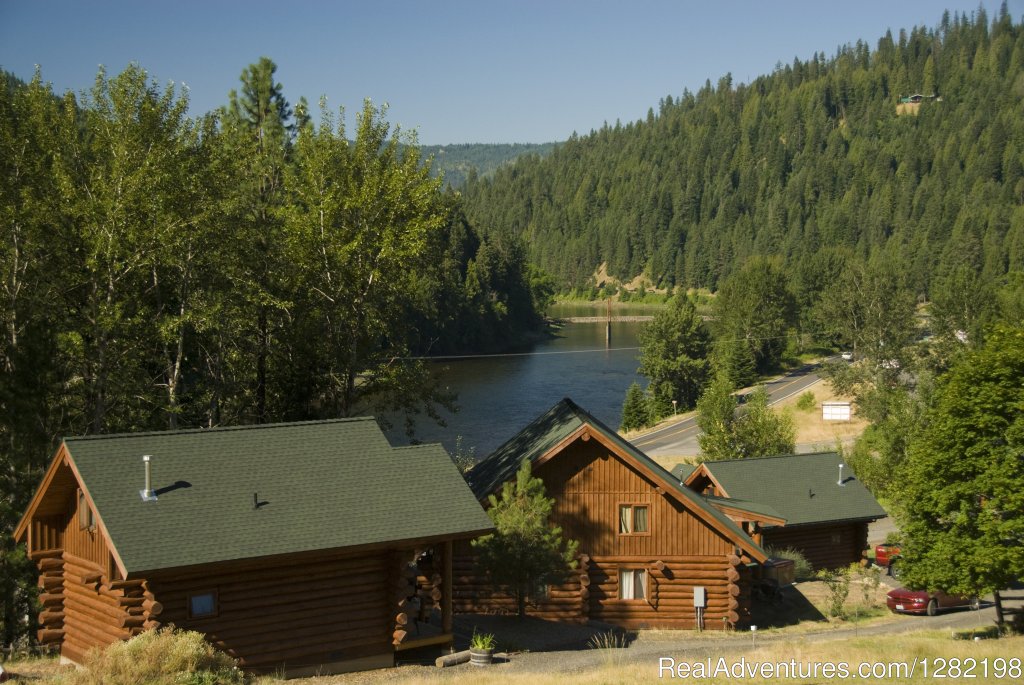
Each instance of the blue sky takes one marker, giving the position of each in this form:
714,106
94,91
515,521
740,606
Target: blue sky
457,71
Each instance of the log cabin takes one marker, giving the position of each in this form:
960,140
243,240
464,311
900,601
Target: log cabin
826,510
281,543
647,544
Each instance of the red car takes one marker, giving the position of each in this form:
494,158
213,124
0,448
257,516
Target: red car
904,601
886,556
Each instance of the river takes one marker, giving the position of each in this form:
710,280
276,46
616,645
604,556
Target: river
499,395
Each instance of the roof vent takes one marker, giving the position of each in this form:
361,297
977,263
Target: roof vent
148,495
841,483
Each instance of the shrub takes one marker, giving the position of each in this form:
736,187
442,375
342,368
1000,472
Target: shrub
869,577
801,567
806,401
158,657
838,584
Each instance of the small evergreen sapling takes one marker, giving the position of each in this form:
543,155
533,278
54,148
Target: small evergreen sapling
636,411
525,553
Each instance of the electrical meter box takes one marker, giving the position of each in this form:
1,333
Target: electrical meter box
699,597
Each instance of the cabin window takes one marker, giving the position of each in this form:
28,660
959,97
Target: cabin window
202,604
86,521
632,583
633,519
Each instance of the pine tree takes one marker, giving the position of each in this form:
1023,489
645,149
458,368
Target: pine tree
257,139
525,553
636,409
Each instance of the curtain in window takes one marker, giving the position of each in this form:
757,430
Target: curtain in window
640,519
626,519
639,583
626,584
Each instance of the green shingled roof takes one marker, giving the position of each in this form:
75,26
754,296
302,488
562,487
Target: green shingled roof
554,426
744,505
802,488
683,471
318,485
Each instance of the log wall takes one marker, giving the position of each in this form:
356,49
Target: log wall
320,611
592,592
825,545
83,607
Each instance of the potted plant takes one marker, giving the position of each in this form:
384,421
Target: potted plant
481,649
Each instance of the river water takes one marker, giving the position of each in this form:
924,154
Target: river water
499,395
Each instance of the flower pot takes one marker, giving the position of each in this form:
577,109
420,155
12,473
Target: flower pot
481,657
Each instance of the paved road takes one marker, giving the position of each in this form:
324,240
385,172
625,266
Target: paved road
680,438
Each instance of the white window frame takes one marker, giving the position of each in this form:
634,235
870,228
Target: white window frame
630,579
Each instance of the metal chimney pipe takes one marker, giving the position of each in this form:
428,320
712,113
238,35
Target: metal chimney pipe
841,483
147,494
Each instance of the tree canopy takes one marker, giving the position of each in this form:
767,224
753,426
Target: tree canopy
674,350
752,431
960,497
159,271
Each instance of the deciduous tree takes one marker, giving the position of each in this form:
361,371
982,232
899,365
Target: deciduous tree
754,309
753,431
674,350
960,498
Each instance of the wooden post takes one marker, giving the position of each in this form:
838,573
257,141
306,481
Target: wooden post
446,588
608,326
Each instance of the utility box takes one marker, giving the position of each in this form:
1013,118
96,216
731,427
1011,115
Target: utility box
782,571
700,598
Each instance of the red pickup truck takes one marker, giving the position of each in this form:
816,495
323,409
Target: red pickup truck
887,556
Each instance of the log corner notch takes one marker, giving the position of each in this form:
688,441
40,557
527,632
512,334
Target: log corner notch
51,599
584,580
422,581
735,592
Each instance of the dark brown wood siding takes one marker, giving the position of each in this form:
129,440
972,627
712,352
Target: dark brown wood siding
825,545
318,611
679,552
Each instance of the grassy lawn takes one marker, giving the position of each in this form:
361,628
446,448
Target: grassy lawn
884,661
811,429
887,659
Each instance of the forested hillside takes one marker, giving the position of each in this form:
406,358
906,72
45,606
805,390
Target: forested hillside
807,159
458,162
